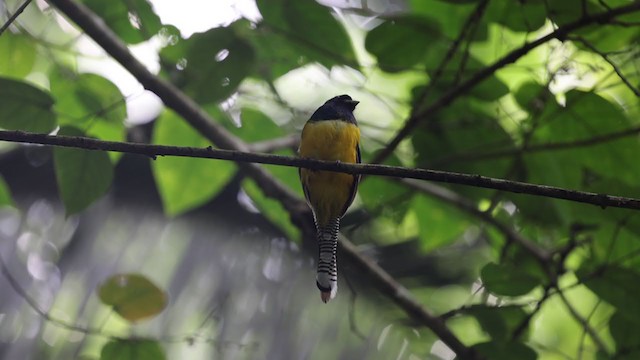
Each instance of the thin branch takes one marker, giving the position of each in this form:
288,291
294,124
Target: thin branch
560,145
15,285
606,58
541,254
152,151
559,33
473,17
388,285
584,323
14,16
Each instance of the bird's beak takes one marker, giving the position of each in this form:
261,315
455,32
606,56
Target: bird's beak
354,102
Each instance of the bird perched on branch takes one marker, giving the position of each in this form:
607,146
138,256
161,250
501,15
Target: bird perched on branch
330,134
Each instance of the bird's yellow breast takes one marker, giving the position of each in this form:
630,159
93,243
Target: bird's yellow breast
329,193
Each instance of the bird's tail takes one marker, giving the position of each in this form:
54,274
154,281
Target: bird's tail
327,275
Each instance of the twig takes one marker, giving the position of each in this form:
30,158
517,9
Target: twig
447,98
389,286
475,15
584,323
602,200
541,254
15,285
561,145
14,16
606,58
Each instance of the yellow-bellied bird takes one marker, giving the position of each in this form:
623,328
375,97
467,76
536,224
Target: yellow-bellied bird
330,134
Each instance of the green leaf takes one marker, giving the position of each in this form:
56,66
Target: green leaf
92,103
451,15
616,285
309,29
439,224
624,332
256,126
132,349
133,20
5,194
507,280
450,139
185,183
401,43
132,296
271,209
533,97
498,322
216,62
25,107
505,351
18,55
529,15
83,176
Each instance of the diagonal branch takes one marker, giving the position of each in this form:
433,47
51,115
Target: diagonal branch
13,17
152,151
606,58
560,33
541,254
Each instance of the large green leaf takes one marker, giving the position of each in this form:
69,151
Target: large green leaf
451,15
185,183
25,107
83,176
616,285
133,20
18,55
401,43
310,28
439,224
451,138
624,332
528,15
216,62
499,322
89,102
132,349
132,296
507,280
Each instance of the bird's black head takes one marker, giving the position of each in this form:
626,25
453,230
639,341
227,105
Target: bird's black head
337,108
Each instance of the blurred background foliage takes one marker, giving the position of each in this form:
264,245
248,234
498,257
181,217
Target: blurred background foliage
121,257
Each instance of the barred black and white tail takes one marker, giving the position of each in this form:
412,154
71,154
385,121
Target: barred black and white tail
327,275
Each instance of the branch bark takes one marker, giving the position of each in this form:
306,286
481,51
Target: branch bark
560,33
152,151
15,15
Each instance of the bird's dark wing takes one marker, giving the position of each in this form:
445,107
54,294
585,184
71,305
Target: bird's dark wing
354,185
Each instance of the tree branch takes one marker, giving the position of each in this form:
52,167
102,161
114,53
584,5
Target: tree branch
152,151
200,120
584,323
447,98
560,145
13,17
606,58
541,254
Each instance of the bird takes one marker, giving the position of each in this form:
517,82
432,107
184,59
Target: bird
331,134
